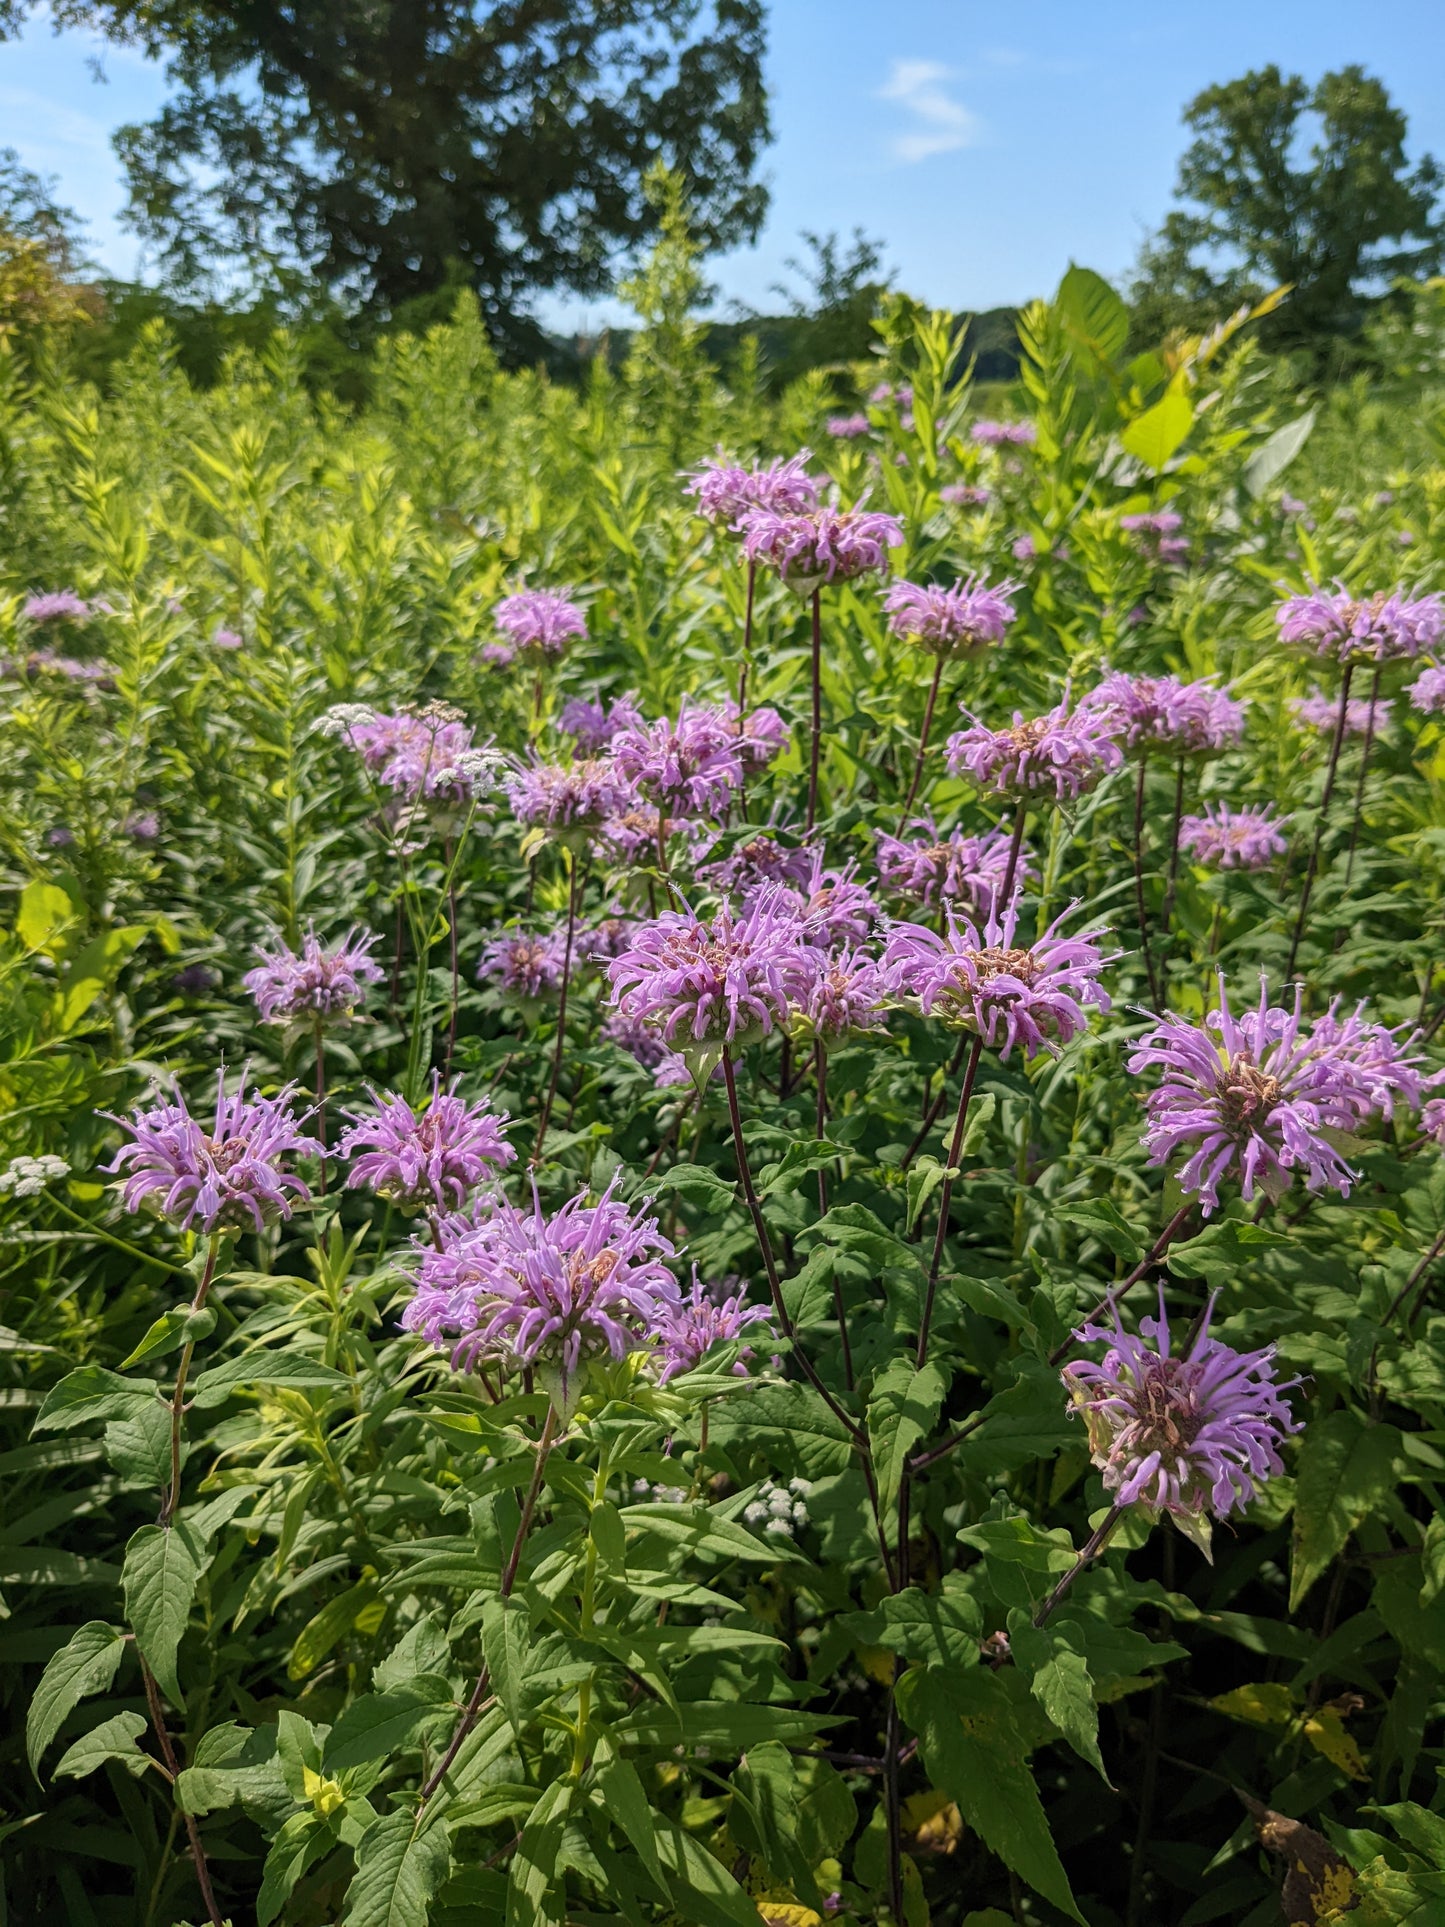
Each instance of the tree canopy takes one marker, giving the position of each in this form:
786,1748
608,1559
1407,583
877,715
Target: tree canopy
1288,183
390,148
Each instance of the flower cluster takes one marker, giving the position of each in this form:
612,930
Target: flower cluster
725,493
965,495
757,860
539,622
703,1319
27,1177
979,978
1227,839
1387,627
1004,434
228,1178
317,985
1427,692
953,622
1193,1436
782,1509
432,1160
691,765
427,758
568,796
727,980
1162,712
61,605
1158,534
1321,712
527,966
847,428
967,871
592,726
823,545
1065,750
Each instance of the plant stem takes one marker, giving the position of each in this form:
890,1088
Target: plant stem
173,1767
551,1098
930,1115
955,1152
1001,901
1111,1299
1329,790
321,1099
1139,901
922,744
1364,766
891,1801
817,709
1092,1548
743,679
452,946
1172,885
171,1498
840,1311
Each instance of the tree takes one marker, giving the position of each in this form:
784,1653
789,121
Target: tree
389,147
1289,184
40,256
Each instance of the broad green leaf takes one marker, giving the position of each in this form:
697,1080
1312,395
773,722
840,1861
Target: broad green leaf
1153,437
1223,1250
291,1371
162,1565
974,1751
1059,1679
1273,457
1093,312
334,1621
937,1629
113,1739
901,1412
86,1664
139,1445
45,911
792,1425
302,1839
532,1899
1026,1421
762,1818
505,1641
1101,1218
89,1394
1262,1703
379,1725
1346,1471
625,1798
165,1335
703,1891
399,1871
699,1187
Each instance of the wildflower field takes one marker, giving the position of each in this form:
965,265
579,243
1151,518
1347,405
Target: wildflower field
721,1199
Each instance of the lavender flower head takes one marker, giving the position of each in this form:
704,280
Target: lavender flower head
1068,751
227,1178
847,428
729,980
1321,712
832,907
825,545
61,606
572,797
1251,1097
539,622
1387,627
691,766
701,1320
1427,693
1004,434
847,994
315,986
432,1160
965,495
1194,1436
760,735
979,979
528,966
725,493
428,758
952,623
965,870
760,859
518,1288
1226,839
592,726
1432,1120
1162,712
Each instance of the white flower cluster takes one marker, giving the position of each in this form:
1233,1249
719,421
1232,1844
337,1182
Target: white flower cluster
779,1508
342,718
26,1177
660,1494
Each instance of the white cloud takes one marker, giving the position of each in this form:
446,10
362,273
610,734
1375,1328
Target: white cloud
940,123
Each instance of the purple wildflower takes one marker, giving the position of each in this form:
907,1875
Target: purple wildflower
966,870
1160,522
691,766
539,621
575,796
728,980
427,758
760,859
1253,1095
227,1178
433,1160
832,906
978,978
847,993
965,495
528,966
1063,749
825,545
60,837
954,623
633,1036
1190,1436
1004,434
1427,692
1321,712
1024,548
847,427
523,1289
61,606
1380,628
1432,1120
702,1320
315,986
635,833
760,735
1161,711
592,726
726,493
1227,839
604,940
194,980
144,827
227,639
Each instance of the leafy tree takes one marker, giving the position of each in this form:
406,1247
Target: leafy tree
389,147
1285,183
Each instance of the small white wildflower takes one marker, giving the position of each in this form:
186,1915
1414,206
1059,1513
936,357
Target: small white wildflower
342,718
27,1177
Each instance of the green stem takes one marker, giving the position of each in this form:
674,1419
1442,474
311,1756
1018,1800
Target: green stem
172,1495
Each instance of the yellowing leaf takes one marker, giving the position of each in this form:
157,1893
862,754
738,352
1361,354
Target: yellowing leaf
877,1663
787,1913
1326,1733
1268,1703
1155,435
44,912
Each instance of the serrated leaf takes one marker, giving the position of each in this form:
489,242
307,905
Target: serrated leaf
113,1739
505,1641
302,1839
1101,1218
901,1412
89,1394
1060,1680
268,1369
1093,312
379,1725
162,1565
1346,1471
139,1445
86,1664
937,1629
1223,1250
399,1871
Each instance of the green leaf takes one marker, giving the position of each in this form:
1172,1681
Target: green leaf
1093,313
139,1445
1153,437
165,1335
113,1739
902,1411
86,1664
1101,1218
381,1724
937,1629
505,1642
1270,460
89,1394
45,911
291,1371
1346,1471
1223,1250
162,1565
791,1424
703,1891
334,1621
609,1535
1059,1679
302,1839
975,1752
699,1187
721,1725
399,1871
531,1898
1029,1420
625,1798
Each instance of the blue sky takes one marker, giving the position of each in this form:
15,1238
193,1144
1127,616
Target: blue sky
986,146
